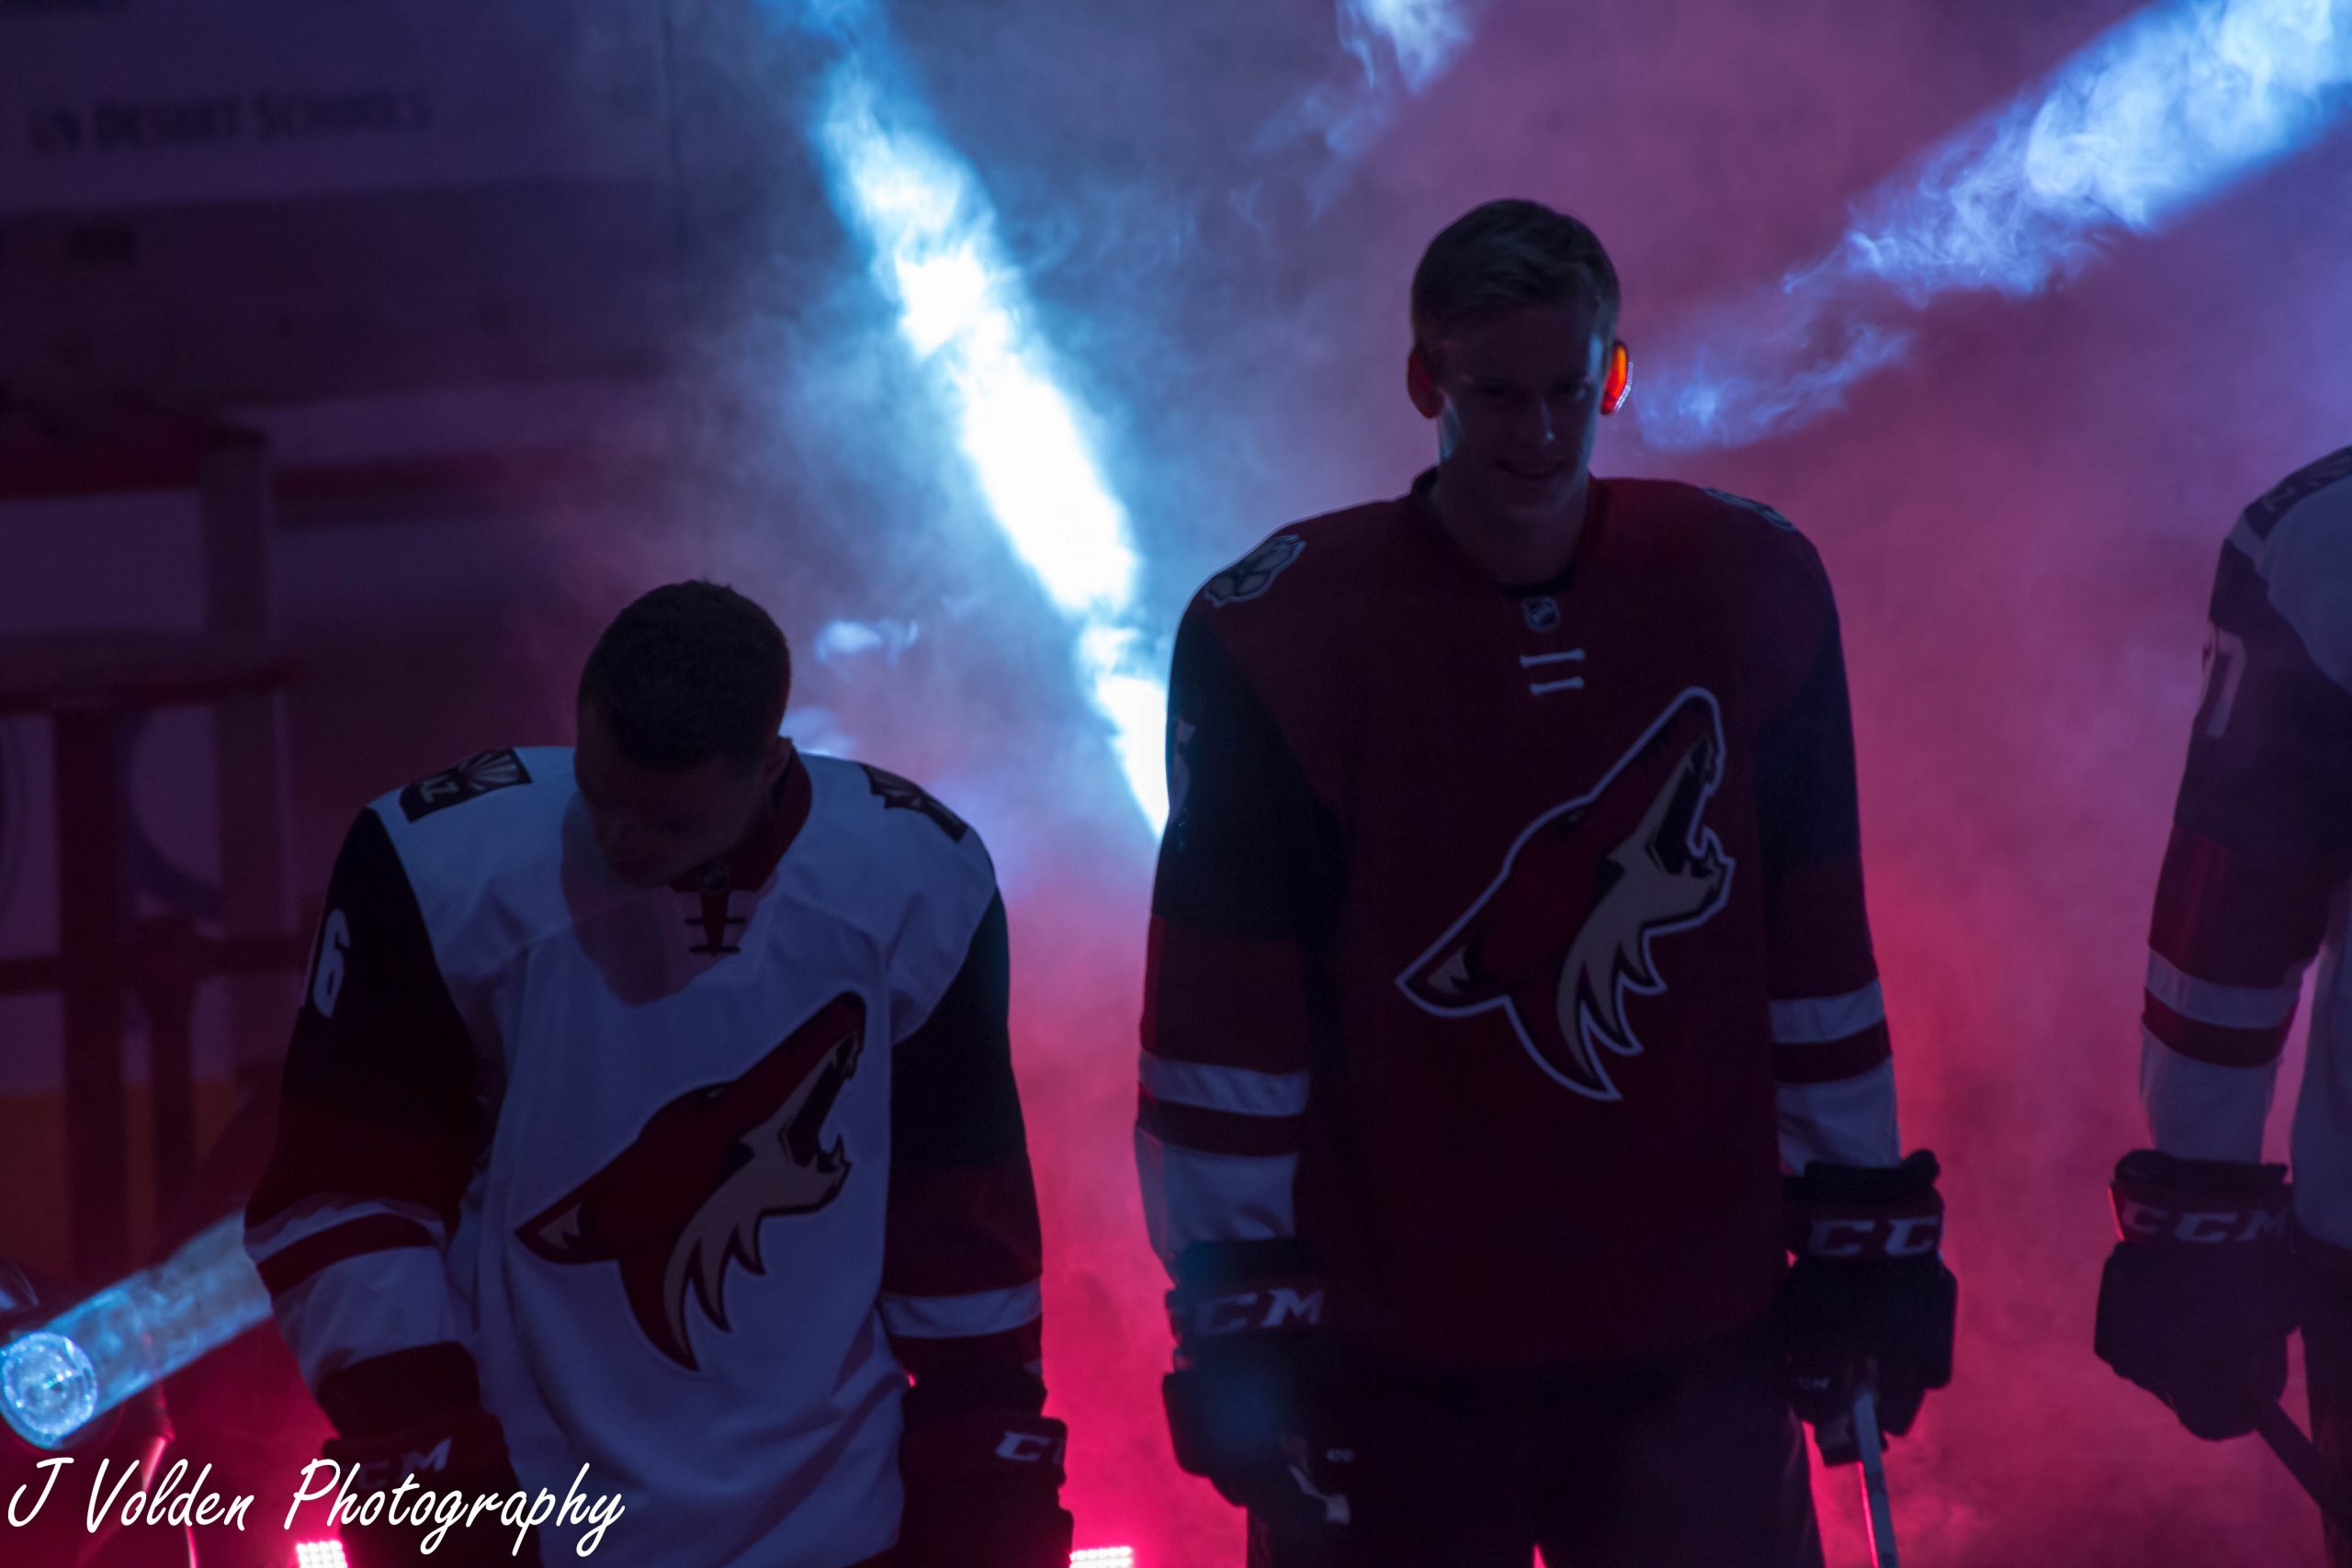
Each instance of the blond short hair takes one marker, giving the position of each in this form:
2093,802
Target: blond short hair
1509,253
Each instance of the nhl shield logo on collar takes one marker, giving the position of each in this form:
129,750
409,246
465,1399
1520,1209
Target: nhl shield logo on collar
1255,572
1542,613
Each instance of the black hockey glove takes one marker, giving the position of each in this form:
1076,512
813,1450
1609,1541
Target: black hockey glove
2197,1301
1869,1297
983,1473
1244,1406
417,1414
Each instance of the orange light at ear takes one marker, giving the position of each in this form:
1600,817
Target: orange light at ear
1620,379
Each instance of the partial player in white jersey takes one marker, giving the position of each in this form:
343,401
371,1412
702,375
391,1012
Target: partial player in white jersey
651,1109
2218,1258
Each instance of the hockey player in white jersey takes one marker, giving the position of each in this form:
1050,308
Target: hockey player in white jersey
2218,1258
651,1109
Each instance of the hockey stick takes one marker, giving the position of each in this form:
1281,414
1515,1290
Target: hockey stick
1878,1505
2303,1460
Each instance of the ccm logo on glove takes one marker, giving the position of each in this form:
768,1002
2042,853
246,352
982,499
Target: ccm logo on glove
1907,1236
1245,1312
1027,1448
2207,1226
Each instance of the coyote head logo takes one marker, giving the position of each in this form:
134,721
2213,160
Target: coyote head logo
1564,933
687,1197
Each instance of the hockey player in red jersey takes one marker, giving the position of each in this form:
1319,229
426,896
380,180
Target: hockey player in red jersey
1508,946
648,1125
2216,1258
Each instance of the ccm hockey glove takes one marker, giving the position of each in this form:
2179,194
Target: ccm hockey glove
417,1414
2198,1297
1869,1297
1243,1403
983,1473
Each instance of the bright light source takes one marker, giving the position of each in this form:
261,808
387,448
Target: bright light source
964,315
2158,113
319,1554
133,1333
1104,1557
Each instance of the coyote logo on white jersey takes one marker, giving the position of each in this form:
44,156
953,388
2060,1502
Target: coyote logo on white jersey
689,1196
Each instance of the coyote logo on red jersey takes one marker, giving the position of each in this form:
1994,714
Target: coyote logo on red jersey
689,1196
1564,933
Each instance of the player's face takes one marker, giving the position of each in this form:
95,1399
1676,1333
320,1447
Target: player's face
1517,398
655,825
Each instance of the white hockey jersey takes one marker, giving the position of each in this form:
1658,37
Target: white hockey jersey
696,1177
2259,872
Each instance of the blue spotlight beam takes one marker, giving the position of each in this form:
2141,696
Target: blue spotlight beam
964,315
60,1377
1424,35
2160,112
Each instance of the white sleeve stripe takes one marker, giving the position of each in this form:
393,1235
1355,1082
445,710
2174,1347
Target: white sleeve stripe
2224,1007
363,1307
2198,1111
1189,1196
963,1317
1817,1020
1849,1122
312,1216
1238,1090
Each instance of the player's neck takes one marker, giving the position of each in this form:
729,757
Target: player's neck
1513,550
776,819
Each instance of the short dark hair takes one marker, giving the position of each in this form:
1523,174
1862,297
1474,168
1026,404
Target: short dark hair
1509,253
689,672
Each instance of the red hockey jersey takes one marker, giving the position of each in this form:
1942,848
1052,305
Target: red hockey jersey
694,1178
2258,873
1506,944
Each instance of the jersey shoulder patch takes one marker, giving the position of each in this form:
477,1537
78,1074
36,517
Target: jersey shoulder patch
2296,489
475,776
1250,577
904,795
2299,549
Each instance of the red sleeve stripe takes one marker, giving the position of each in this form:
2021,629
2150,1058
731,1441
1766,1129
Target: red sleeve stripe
2213,1044
972,1316
1023,1347
1831,1060
1818,1020
1217,1132
321,1150
1225,1001
2230,1007
286,1269
2233,920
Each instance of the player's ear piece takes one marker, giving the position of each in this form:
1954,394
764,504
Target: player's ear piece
1420,384
1620,379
